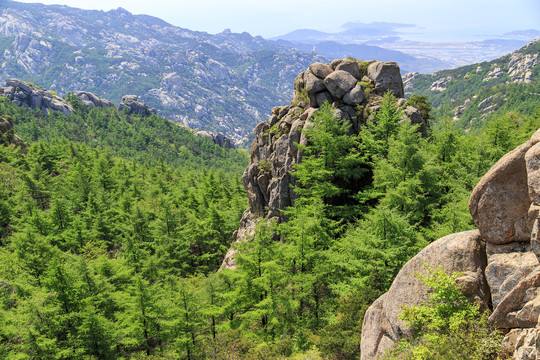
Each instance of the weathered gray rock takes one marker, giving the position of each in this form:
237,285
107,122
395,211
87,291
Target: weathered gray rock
218,139
7,135
245,231
500,202
92,100
320,70
274,152
335,63
132,105
457,252
313,84
416,119
350,66
339,83
386,76
355,96
323,97
32,97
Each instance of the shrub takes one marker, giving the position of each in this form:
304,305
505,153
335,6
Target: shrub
448,326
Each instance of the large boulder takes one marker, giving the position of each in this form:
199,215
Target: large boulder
500,202
355,96
320,70
91,100
339,83
131,105
386,76
457,252
350,66
32,97
313,84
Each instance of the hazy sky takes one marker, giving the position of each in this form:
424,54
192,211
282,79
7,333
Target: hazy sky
439,19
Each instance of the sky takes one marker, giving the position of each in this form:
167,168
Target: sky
436,19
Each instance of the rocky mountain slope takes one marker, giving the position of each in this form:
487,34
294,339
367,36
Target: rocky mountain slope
30,96
224,82
471,94
268,178
499,260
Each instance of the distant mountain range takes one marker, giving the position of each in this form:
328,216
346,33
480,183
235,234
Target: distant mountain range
417,56
224,82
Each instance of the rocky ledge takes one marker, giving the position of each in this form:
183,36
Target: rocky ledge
91,100
218,139
499,260
32,97
132,105
354,88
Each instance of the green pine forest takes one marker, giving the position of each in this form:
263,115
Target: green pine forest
113,227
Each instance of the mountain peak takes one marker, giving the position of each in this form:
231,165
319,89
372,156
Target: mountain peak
120,11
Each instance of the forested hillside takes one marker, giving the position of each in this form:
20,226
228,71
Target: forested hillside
148,140
113,227
472,95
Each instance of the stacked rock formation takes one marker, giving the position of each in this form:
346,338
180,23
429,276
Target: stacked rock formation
132,105
500,260
33,97
268,179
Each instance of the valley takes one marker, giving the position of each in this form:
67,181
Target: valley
377,214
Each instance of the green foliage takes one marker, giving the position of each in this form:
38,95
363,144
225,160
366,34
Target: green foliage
448,326
110,245
469,85
422,104
145,139
94,237
332,169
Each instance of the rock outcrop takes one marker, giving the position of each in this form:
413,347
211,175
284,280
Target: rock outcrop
505,271
465,251
218,139
32,97
132,105
92,100
268,178
7,136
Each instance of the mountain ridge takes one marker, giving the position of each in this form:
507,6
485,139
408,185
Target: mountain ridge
471,95
221,82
